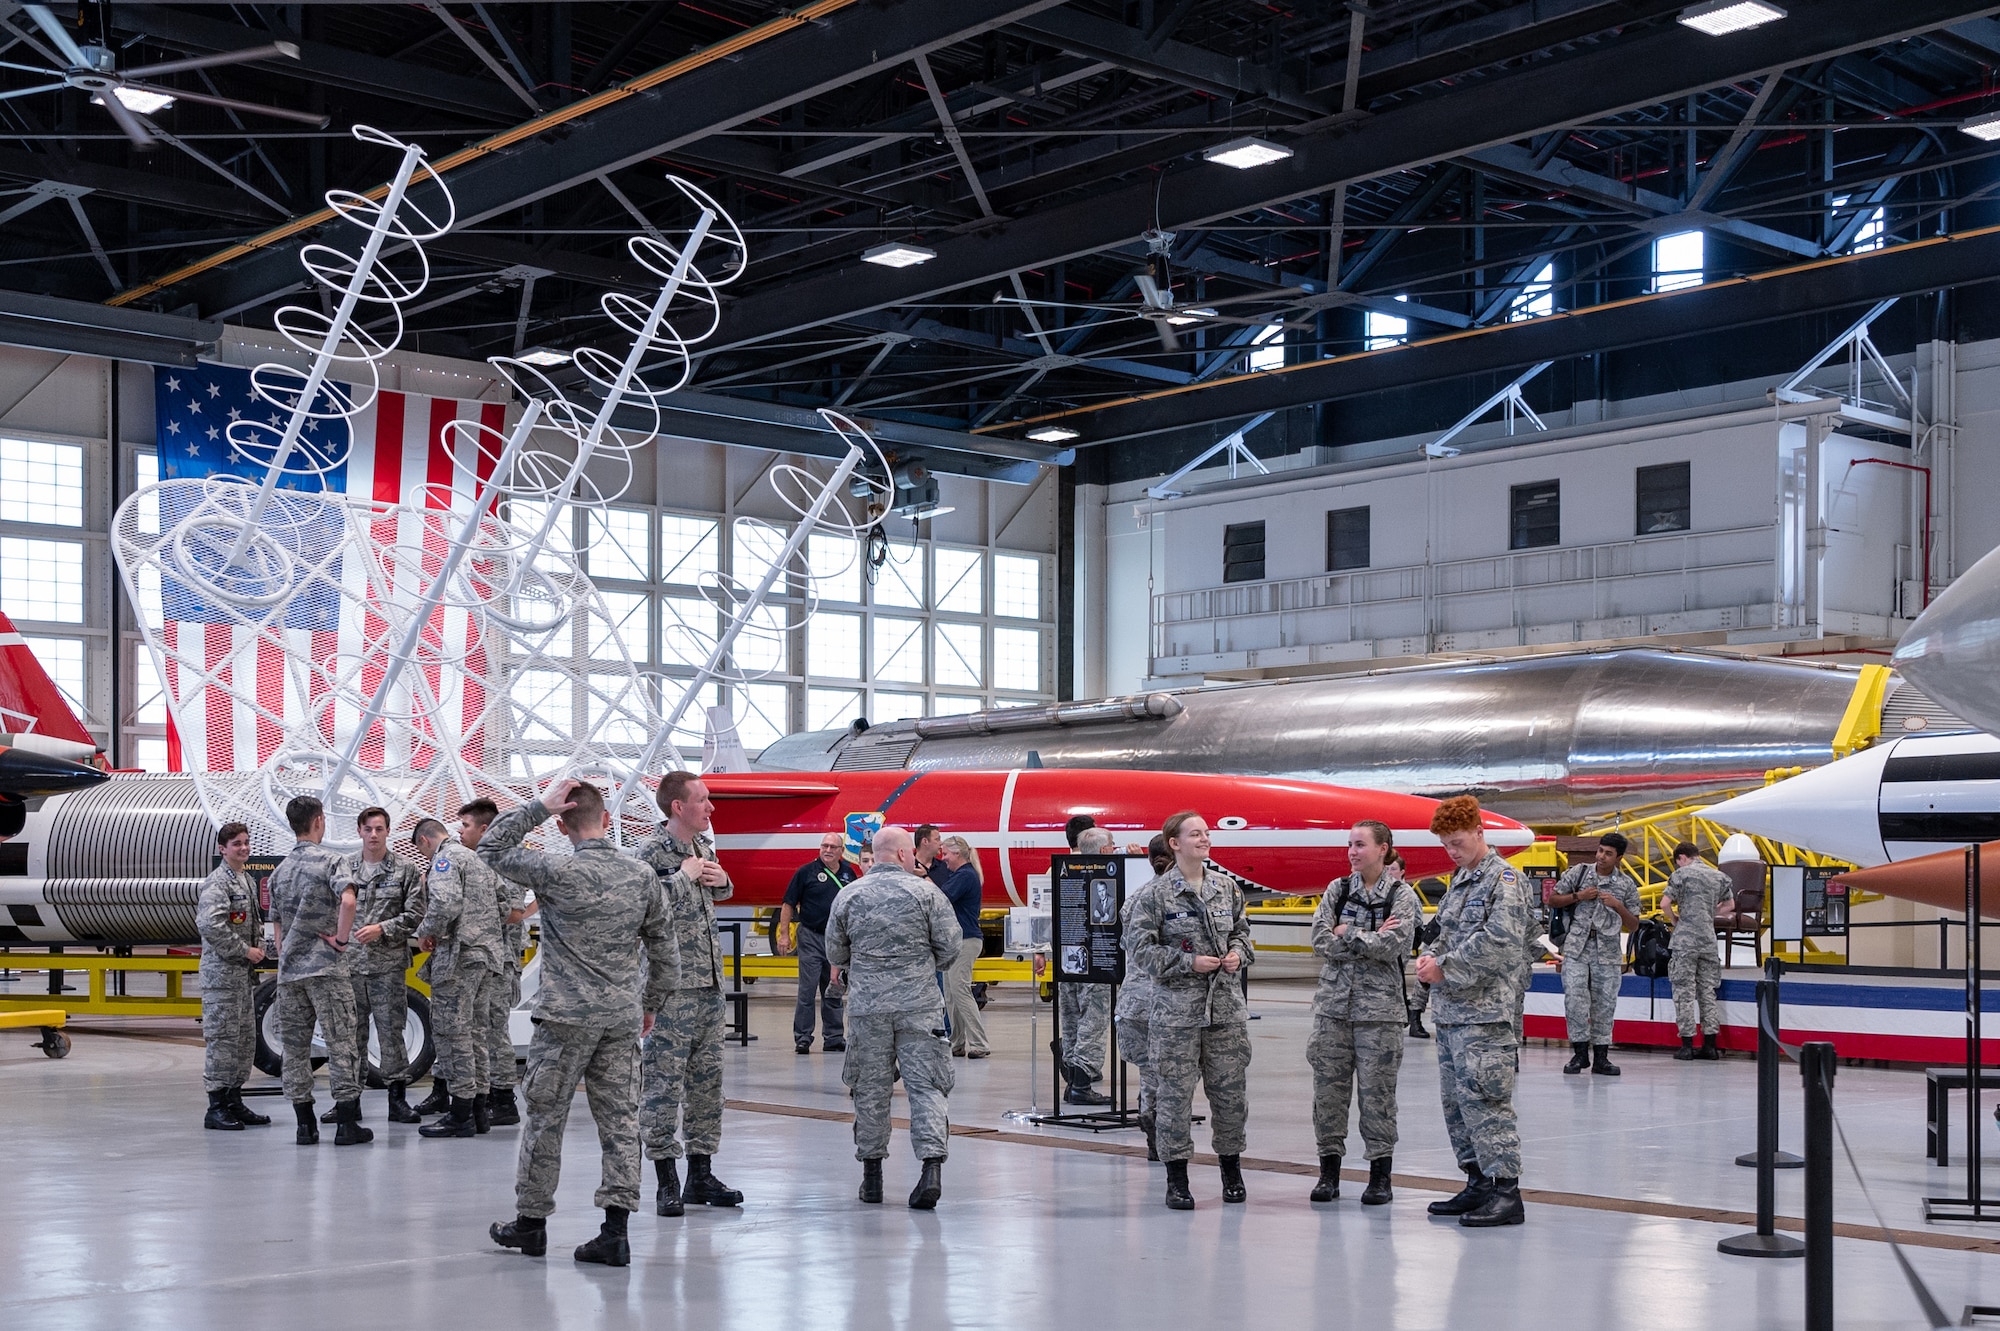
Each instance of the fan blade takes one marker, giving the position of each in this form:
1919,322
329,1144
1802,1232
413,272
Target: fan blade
134,128
256,108
1149,291
43,70
287,49
12,93
53,29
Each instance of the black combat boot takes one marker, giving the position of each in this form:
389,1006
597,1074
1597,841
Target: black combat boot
1178,1196
871,1180
399,1104
1328,1187
610,1247
1468,1198
1378,1192
705,1189
243,1113
1602,1066
1579,1061
924,1197
482,1115
1685,1054
218,1116
1080,1091
351,1133
667,1201
308,1125
1501,1206
501,1107
1708,1053
1417,1030
529,1233
332,1115
1232,1178
1149,1124
457,1123
438,1100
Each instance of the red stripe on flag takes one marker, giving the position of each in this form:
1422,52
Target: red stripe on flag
170,635
270,692
389,412
219,708
325,647
388,478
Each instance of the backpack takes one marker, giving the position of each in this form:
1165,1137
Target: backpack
1649,950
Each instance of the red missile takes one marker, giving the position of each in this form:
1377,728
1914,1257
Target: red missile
1288,836
29,699
1935,880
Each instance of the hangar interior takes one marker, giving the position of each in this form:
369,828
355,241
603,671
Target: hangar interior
1592,405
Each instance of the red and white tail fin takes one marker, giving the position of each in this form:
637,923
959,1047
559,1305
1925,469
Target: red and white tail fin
30,702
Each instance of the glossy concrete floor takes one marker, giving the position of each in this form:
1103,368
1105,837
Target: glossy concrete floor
118,1211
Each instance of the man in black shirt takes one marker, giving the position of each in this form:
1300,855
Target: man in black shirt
930,855
802,929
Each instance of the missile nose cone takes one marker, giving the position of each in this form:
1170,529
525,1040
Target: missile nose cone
27,775
1934,880
1952,652
1833,810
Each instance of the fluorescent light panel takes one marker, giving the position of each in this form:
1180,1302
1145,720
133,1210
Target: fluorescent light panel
137,99
1985,126
1052,434
898,254
1246,152
1719,18
544,356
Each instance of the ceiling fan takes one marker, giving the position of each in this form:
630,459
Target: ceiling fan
93,68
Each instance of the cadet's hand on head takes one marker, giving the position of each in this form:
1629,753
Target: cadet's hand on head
556,798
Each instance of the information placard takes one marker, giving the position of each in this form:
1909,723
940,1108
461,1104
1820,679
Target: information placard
1089,896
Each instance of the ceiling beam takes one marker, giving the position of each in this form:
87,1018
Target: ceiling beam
1654,66
1129,48
152,187
84,328
1904,270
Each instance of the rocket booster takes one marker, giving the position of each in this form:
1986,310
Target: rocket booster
1935,880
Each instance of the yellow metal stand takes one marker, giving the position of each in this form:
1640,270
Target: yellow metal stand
100,1001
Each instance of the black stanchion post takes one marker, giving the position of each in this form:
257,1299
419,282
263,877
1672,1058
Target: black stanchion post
1767,1159
1816,1068
1972,1205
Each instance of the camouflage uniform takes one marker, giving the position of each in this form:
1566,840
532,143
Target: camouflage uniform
683,1055
1200,1023
507,997
314,987
1697,892
466,901
894,932
1359,1010
1085,1013
1135,1018
1483,918
226,914
1593,953
603,920
389,893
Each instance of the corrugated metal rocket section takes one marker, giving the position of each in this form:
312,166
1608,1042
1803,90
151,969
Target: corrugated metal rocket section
30,702
1952,652
1559,739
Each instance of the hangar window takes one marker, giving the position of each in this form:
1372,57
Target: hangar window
1017,659
760,644
1243,552
762,714
62,658
41,482
1537,298
1677,261
42,579
1385,330
688,547
1537,515
1666,501
621,544
1346,539
1268,349
833,645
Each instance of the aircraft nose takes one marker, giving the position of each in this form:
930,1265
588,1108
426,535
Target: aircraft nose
28,775
1953,648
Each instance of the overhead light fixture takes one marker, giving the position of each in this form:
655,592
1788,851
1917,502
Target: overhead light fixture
137,99
1246,152
1052,434
1182,320
544,356
898,254
1985,126
1719,18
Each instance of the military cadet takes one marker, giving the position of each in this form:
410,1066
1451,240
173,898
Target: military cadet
1474,970
232,929
1361,932
312,913
1188,930
1695,891
473,820
682,1105
1084,1010
603,920
892,931
389,901
1603,900
1135,1011
801,929
461,929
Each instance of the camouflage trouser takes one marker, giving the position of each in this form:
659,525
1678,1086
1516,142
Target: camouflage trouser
968,1031
461,1006
1344,1054
1135,1043
1219,1056
499,1032
1695,973
1590,995
815,977
326,1001
683,1076
607,1063
1476,1083
1085,1013
1419,995
228,1025
386,999
878,1043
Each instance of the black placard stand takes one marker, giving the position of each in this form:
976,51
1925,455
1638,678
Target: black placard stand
1972,1206
1082,873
